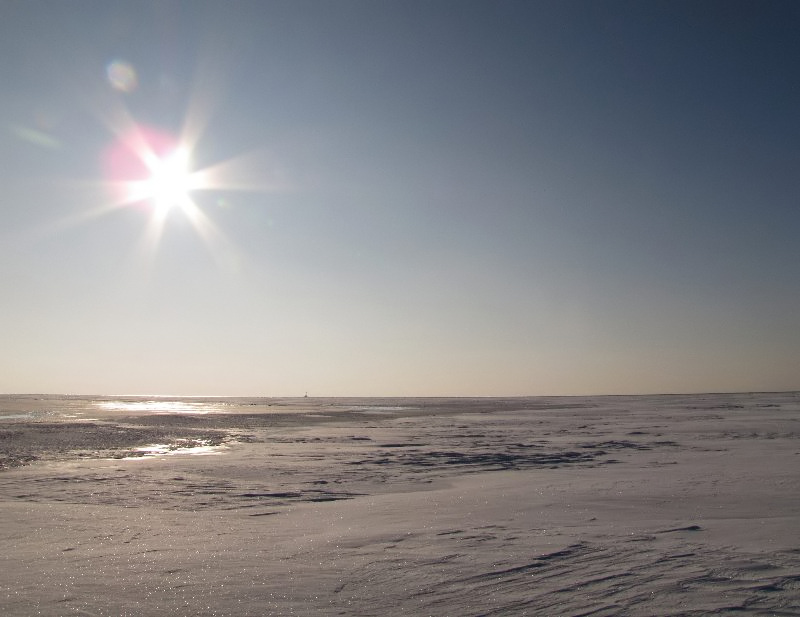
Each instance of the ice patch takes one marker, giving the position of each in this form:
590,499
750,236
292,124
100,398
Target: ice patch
184,446
158,406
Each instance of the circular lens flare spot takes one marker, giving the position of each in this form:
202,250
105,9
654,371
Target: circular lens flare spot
122,76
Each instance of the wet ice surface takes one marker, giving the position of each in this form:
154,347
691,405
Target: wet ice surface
197,447
158,406
602,506
42,406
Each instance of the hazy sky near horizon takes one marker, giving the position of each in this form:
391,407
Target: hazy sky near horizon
409,198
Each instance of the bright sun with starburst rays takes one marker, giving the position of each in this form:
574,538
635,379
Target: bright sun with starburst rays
152,169
170,181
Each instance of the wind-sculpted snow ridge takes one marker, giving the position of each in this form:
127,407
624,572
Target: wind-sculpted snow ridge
640,576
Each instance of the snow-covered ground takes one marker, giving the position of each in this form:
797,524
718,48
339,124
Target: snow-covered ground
659,505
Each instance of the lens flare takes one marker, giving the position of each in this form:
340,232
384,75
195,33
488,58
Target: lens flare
122,76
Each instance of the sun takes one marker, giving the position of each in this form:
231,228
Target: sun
153,169
170,181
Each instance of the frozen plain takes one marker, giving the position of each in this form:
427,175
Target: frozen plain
634,505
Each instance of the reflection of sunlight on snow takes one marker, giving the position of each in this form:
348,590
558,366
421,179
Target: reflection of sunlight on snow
156,406
166,449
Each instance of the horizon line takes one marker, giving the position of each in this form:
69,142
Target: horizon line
399,396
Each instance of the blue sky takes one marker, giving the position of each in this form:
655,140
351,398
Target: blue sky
442,198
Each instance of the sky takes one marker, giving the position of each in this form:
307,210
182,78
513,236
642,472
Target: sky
399,198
